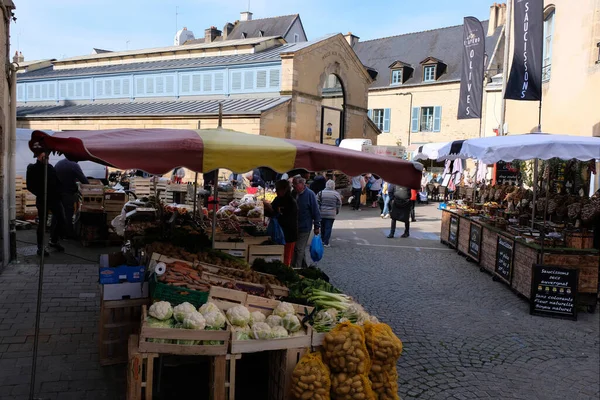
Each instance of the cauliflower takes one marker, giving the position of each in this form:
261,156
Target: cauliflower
242,333
257,316
238,315
279,332
291,323
274,320
261,330
352,313
208,307
214,320
161,310
194,320
283,309
157,323
180,311
325,320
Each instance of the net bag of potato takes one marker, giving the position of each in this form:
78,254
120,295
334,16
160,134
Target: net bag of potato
310,379
351,387
345,350
384,349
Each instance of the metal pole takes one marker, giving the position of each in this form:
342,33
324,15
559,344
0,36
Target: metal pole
535,184
507,32
215,202
543,233
195,194
36,333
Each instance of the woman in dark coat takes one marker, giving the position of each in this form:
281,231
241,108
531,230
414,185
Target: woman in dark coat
285,209
400,208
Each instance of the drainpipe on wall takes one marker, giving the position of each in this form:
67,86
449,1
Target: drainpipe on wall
12,149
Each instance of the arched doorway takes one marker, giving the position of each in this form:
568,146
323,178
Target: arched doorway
333,111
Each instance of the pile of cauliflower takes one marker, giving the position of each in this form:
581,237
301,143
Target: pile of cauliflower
282,323
185,316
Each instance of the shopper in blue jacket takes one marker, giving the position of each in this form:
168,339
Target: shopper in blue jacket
309,217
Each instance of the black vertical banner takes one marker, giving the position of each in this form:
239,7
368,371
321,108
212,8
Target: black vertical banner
525,79
471,80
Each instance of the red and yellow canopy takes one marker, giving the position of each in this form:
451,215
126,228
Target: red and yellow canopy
159,151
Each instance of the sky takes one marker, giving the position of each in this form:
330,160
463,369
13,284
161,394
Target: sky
67,28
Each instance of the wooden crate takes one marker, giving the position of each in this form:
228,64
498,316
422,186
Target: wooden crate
236,249
445,226
489,244
464,230
281,368
118,320
587,264
579,240
140,371
148,335
268,253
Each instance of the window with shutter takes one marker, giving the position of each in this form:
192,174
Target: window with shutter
386,119
126,85
196,83
117,87
37,91
62,93
170,84
139,86
274,78
414,120
107,88
99,88
44,91
249,80
236,81
219,77
30,92
87,90
79,89
160,85
52,91
185,84
149,85
207,82
261,79
20,92
370,114
437,118
71,90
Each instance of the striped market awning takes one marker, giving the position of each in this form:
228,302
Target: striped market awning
159,151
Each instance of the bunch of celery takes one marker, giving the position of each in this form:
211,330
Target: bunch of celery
323,299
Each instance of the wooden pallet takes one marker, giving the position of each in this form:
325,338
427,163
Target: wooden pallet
268,253
118,320
281,368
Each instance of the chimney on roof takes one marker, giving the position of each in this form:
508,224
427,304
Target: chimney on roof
351,39
246,16
497,17
227,30
21,58
16,57
211,34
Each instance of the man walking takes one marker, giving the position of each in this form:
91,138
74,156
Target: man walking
69,173
358,184
309,216
35,184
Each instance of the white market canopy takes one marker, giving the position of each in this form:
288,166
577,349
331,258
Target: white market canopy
428,151
523,147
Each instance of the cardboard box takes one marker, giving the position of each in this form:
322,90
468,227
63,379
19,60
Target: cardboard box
113,270
125,291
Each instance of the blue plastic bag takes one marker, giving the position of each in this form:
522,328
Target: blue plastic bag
275,232
316,248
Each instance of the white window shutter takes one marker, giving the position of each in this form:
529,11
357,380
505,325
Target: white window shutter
20,92
160,84
274,79
44,91
87,93
207,82
185,84
38,91
437,118
386,119
219,77
249,80
170,84
99,88
236,81
196,83
108,87
414,120
261,79
30,91
150,85
139,86
52,91
117,87
79,89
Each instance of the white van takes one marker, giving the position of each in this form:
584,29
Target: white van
355,144
24,157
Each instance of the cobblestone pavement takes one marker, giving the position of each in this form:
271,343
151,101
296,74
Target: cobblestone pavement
67,365
464,335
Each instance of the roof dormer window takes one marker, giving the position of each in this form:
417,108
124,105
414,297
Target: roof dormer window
397,77
429,73
400,72
244,35
261,33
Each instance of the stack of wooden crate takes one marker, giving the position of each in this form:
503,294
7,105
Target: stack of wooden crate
29,210
92,198
140,186
19,187
113,204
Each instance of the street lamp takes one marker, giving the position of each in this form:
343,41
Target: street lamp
409,111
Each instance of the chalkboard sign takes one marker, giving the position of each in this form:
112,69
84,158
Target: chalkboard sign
554,292
504,258
453,234
474,241
505,171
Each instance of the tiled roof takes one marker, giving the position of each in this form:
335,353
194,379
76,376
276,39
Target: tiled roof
152,108
444,44
269,55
